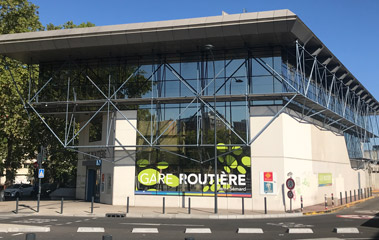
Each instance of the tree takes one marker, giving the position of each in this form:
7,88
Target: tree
16,16
22,133
68,25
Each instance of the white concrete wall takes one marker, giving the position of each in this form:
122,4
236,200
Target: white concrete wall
124,166
305,150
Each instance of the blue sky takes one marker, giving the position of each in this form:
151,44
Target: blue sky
349,28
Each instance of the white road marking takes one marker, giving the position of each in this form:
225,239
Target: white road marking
250,230
299,230
346,230
91,229
357,216
78,221
36,220
164,224
13,228
145,230
198,230
68,222
16,234
335,238
290,225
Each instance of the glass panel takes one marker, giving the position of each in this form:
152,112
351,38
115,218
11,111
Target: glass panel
95,129
263,84
259,70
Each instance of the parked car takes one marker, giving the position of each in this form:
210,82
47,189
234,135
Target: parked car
18,191
47,188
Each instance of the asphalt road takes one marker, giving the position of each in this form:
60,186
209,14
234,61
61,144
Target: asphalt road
364,217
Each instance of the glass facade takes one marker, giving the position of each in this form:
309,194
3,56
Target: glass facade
191,107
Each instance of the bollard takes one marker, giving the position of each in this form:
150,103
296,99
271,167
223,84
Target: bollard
16,205
355,196
243,206
341,198
332,201
265,205
183,200
107,237
291,205
189,205
127,205
346,197
164,203
30,236
301,203
38,199
359,195
371,191
326,202
351,198
92,200
365,192
62,206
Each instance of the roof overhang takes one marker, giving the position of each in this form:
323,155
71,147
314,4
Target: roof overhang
256,29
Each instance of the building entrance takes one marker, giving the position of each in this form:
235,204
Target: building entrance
93,184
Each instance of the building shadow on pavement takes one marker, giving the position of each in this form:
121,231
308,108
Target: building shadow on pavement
373,223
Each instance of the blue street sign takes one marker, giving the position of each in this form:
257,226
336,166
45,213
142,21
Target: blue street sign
41,173
98,162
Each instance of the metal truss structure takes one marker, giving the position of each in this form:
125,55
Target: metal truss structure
309,87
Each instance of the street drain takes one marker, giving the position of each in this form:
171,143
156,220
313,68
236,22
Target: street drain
115,215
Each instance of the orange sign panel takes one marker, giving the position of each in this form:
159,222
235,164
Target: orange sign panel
268,176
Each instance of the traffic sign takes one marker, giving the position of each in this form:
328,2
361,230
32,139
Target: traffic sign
41,173
290,183
290,194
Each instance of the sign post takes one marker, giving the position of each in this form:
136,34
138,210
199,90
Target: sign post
290,183
41,173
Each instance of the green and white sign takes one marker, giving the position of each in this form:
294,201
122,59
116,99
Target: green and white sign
166,176
325,179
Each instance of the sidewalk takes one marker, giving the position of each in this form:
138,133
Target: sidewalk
78,208
322,209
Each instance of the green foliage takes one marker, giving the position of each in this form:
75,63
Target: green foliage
22,134
16,16
68,25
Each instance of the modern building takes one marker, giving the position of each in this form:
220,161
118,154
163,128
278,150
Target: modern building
163,109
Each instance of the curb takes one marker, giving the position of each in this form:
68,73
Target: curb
171,216
336,209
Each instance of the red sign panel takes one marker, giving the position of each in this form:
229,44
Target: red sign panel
267,176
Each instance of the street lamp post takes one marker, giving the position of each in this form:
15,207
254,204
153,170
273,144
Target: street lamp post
215,182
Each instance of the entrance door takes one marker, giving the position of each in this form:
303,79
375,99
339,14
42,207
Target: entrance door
91,184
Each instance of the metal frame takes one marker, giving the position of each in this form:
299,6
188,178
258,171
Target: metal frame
309,87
